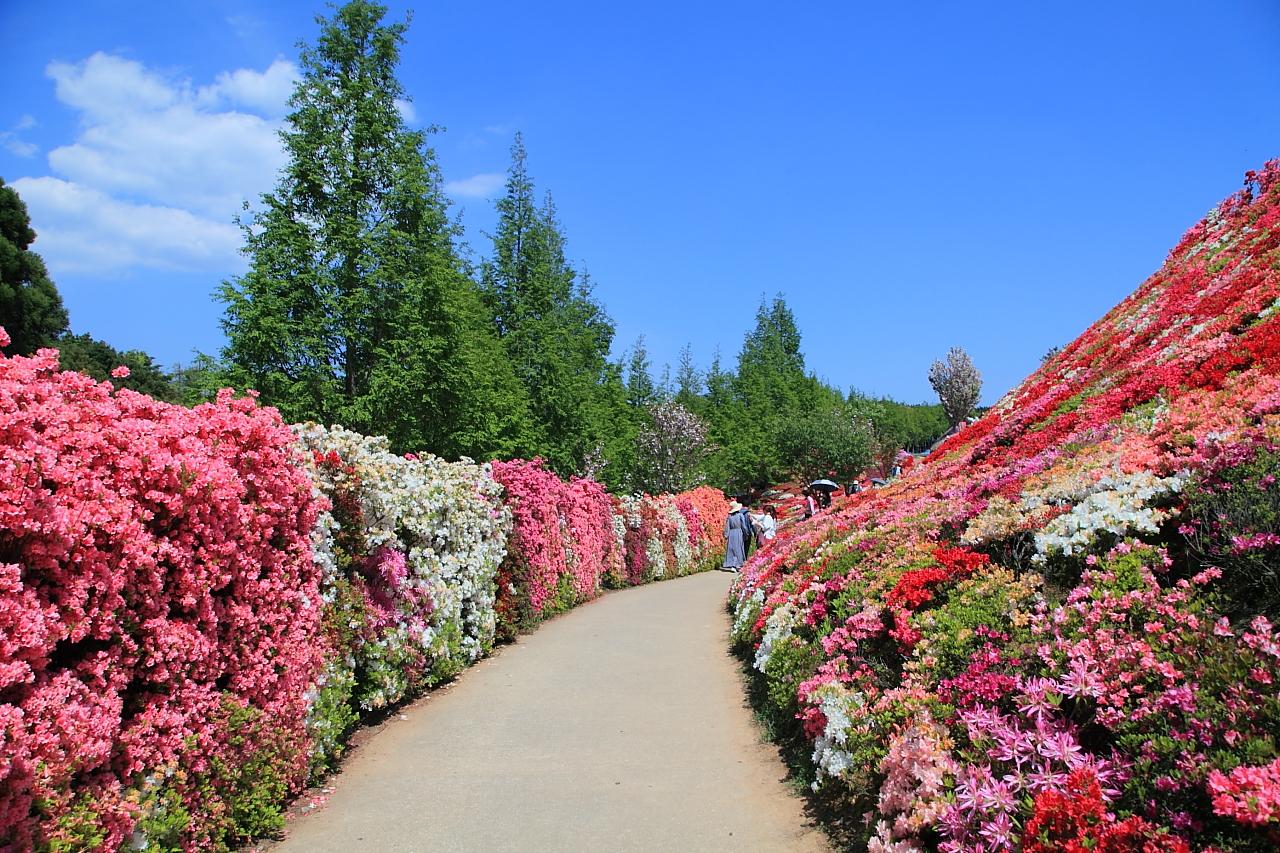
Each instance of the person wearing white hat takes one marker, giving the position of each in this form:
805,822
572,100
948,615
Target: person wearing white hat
735,535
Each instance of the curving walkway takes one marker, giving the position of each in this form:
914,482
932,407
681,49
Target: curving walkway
618,727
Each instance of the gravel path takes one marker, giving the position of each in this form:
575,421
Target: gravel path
618,727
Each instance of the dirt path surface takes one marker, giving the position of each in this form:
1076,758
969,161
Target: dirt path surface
618,727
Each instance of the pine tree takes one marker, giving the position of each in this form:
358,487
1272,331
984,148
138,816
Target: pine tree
356,308
688,381
31,309
773,390
641,392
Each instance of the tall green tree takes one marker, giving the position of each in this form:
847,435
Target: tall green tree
31,309
641,392
688,380
356,308
773,390
556,335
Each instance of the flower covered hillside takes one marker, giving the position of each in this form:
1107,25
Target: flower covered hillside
1057,632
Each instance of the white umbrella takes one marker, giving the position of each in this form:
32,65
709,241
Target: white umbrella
825,485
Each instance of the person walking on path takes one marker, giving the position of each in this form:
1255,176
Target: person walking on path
736,530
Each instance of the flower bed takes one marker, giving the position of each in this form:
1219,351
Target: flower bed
668,536
570,540
1055,633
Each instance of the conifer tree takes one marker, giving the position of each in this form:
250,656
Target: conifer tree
31,309
641,392
555,334
356,308
688,381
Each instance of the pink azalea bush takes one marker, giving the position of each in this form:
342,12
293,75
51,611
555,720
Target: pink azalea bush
160,615
1058,632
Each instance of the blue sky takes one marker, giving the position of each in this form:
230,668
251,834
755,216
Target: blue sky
912,176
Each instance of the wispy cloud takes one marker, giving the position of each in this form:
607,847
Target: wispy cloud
245,26
81,229
13,141
483,185
407,112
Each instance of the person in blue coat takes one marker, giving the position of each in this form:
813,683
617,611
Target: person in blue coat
737,527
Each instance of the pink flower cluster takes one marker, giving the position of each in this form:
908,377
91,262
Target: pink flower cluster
157,596
1248,794
562,543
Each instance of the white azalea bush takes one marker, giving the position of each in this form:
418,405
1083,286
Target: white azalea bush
409,550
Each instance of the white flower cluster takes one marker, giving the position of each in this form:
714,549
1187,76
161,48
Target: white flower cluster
1120,505
447,519
776,628
747,611
839,707
683,544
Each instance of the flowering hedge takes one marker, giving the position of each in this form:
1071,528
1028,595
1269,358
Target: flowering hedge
1055,633
159,615
408,553
197,605
571,539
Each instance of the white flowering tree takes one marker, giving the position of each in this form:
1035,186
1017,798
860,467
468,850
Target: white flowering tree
958,384
670,449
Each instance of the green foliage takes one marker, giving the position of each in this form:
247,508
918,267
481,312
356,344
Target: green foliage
826,442
356,308
163,819
902,426
792,661
31,309
79,828
989,600
1234,518
96,358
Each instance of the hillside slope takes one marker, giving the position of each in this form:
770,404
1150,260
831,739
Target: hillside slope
1054,634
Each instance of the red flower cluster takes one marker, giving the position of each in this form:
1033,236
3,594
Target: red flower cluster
1076,821
915,587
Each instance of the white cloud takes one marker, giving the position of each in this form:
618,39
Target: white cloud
103,86
80,229
16,146
267,92
160,167
245,26
407,112
483,185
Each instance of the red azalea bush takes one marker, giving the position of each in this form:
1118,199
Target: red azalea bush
1055,632
159,617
